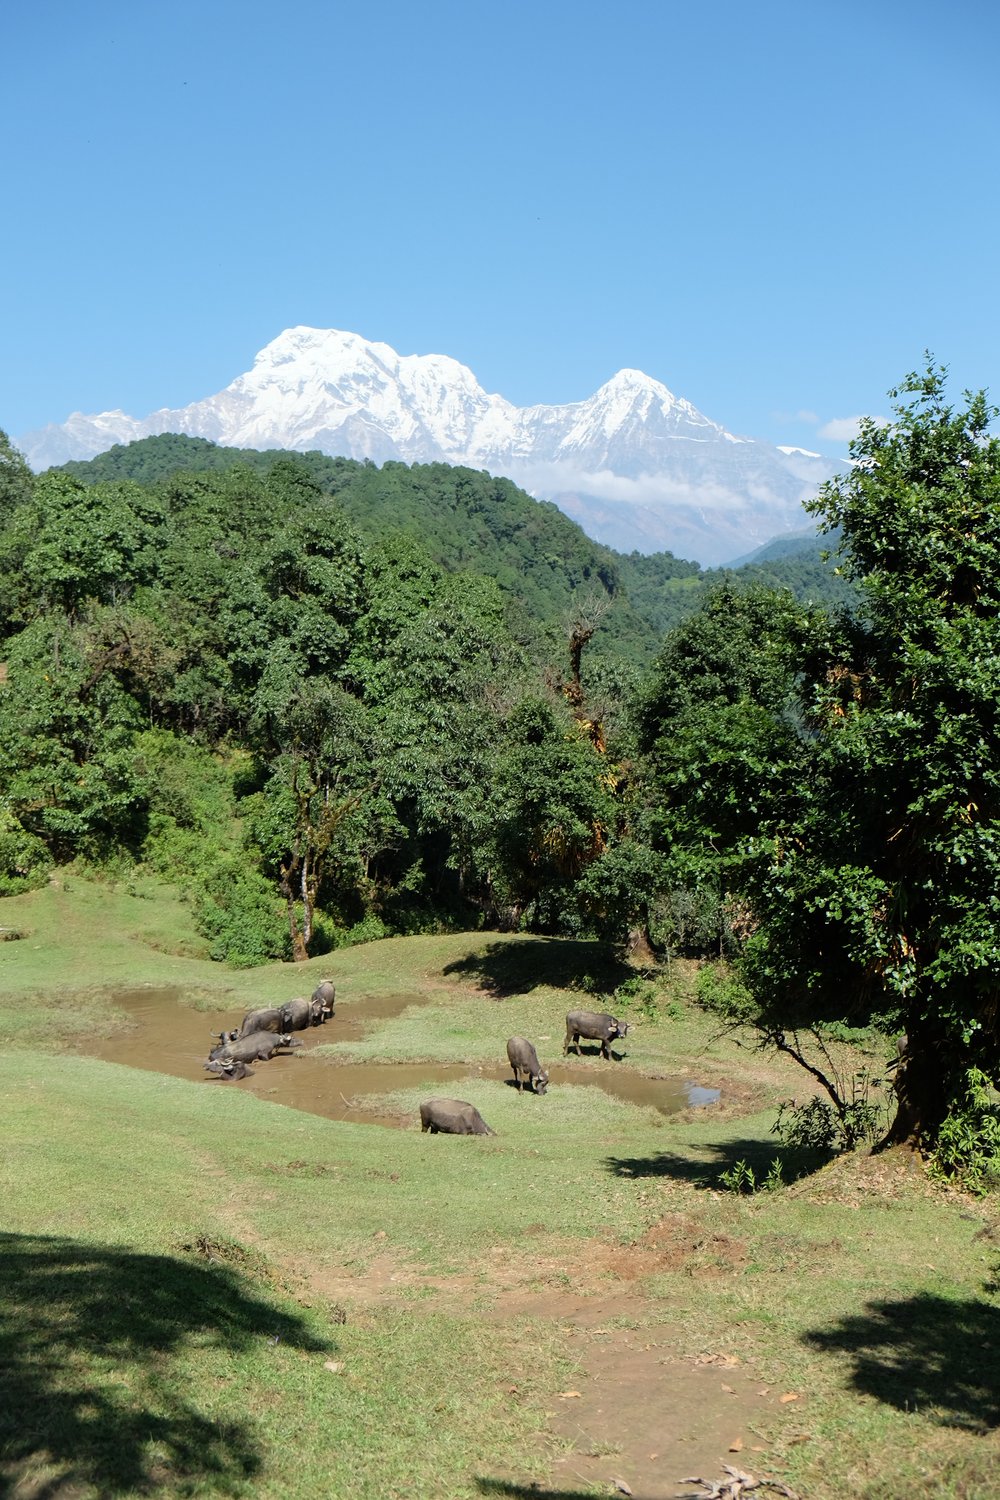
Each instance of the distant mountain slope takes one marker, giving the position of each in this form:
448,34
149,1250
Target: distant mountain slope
466,519
638,467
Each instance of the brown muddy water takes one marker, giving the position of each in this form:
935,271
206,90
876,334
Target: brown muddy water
165,1036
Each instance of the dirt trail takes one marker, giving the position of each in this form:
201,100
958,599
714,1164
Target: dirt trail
638,1410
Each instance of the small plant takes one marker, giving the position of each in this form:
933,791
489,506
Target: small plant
968,1145
841,1124
639,994
812,1126
743,1179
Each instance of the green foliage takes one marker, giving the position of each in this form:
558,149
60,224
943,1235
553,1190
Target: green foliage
236,909
16,478
816,1125
721,990
742,1178
66,731
968,1142
24,860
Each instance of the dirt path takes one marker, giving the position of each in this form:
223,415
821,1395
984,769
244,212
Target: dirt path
637,1412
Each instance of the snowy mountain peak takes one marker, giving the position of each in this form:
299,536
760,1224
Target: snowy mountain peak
637,466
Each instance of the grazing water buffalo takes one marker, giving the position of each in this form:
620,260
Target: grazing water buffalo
245,1049
452,1117
524,1059
595,1028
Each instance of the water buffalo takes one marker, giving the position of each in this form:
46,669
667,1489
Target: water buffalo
524,1059
261,1020
297,1014
452,1117
595,1027
323,997
245,1049
229,1071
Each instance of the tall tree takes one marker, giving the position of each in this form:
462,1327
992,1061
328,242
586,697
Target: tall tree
879,897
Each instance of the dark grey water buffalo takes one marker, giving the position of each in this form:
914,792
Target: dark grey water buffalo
297,1014
452,1117
323,998
261,1020
246,1049
229,1071
222,1037
524,1059
595,1027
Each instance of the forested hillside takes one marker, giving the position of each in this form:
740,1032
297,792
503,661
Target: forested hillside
330,701
465,518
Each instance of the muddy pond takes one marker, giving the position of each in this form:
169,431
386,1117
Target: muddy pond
166,1036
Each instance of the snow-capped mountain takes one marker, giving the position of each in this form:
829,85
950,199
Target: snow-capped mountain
636,466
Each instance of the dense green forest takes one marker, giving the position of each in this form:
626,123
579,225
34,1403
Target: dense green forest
331,701
465,519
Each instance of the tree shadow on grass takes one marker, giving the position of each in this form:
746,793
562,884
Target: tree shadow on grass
503,1489
925,1353
726,1157
95,1384
508,967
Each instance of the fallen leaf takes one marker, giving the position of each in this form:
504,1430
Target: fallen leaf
335,1366
757,1448
788,1396
736,1446
621,1486
565,1395
652,1456
729,1389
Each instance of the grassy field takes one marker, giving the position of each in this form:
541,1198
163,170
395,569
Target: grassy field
206,1294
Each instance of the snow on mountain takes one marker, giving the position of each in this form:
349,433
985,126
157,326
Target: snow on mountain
637,467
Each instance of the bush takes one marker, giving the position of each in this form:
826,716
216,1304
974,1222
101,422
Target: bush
968,1145
24,860
236,909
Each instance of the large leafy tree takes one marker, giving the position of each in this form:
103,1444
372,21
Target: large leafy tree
878,900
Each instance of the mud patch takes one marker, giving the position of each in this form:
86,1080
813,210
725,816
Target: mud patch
159,1032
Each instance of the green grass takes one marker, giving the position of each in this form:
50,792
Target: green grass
179,1258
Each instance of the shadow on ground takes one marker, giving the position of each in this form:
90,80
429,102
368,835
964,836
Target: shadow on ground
756,1156
506,967
95,1379
927,1354
503,1490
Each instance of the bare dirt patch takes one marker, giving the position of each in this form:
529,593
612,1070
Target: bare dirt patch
639,1407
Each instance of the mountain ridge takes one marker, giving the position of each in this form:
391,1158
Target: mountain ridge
636,466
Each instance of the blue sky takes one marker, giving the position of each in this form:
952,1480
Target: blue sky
772,208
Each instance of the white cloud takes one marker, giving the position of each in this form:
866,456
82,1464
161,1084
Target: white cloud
843,429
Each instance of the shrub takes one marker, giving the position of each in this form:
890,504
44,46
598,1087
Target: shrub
968,1145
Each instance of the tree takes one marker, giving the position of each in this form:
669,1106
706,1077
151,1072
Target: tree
878,893
320,775
16,478
719,728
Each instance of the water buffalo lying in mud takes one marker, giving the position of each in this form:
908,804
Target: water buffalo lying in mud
595,1027
229,1071
261,1020
452,1117
524,1059
246,1049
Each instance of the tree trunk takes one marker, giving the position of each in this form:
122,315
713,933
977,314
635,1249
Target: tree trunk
920,1086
